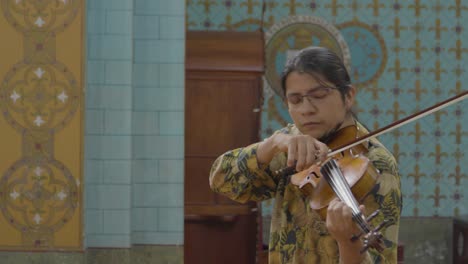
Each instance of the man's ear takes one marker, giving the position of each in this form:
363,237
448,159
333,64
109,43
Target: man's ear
350,96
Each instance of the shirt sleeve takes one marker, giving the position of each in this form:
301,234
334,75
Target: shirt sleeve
238,175
385,196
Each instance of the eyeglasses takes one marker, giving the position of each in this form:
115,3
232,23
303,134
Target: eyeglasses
314,96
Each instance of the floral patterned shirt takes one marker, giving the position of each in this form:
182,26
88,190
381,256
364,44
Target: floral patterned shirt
298,234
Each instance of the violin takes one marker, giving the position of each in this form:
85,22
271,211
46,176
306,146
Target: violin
349,175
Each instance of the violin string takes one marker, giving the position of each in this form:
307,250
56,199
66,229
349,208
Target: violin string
341,187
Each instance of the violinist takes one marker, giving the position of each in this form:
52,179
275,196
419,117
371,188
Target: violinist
319,97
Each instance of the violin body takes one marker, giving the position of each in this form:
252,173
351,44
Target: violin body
357,169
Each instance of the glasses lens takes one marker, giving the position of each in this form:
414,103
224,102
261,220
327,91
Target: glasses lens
294,99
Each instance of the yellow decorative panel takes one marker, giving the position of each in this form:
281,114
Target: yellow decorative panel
41,124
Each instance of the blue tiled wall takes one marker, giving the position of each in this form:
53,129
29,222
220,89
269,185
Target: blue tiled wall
134,122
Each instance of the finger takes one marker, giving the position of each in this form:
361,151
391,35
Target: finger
362,208
323,151
311,152
292,149
301,156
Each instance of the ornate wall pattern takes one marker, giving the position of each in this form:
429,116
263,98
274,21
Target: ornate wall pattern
404,56
41,123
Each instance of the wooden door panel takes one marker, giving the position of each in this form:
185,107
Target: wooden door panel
225,240
216,111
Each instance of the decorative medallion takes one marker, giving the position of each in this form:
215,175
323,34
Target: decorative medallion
294,33
368,50
40,96
283,40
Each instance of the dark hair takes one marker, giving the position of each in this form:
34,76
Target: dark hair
318,61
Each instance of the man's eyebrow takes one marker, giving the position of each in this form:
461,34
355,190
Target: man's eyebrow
308,91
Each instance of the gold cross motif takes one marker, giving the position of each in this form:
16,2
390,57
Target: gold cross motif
416,174
271,4
354,6
417,133
438,28
418,90
207,4
374,89
458,134
457,89
397,69
458,70
397,48
376,5
437,197
396,111
437,176
417,28
438,7
396,152
438,154
437,70
397,28
417,49
334,6
438,114
397,133
250,5
417,7
292,6
458,8
458,155
457,175
228,24
458,50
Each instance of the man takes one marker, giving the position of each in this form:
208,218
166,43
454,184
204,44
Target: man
319,97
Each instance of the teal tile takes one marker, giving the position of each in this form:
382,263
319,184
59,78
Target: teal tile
108,241
160,7
96,22
110,4
146,27
171,219
147,99
119,72
171,123
157,195
93,171
171,171
145,123
172,75
160,51
144,219
94,120
109,97
92,197
114,196
116,221
93,221
158,147
146,75
108,147
174,7
117,171
95,72
158,238
172,27
145,171
110,47
118,122
119,22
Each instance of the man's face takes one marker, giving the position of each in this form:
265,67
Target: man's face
315,108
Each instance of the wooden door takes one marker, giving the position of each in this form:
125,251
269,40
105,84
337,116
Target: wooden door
220,115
